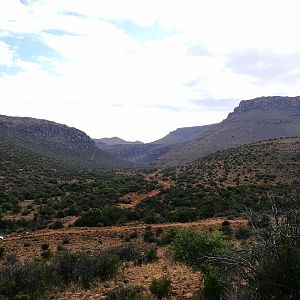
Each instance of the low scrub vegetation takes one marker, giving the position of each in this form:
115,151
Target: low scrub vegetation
35,279
269,268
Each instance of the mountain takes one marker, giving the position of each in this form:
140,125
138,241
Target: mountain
252,121
147,153
185,134
55,141
115,141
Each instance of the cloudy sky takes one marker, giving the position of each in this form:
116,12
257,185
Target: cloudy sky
138,69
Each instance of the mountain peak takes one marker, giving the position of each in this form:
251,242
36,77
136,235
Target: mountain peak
264,103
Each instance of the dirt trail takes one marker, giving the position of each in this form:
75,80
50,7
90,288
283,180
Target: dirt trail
131,200
214,222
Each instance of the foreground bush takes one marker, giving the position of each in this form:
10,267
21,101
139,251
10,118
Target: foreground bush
161,287
194,247
269,268
136,255
128,293
33,279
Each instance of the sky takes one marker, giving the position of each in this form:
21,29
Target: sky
138,69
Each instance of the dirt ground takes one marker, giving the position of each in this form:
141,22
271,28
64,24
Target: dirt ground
184,280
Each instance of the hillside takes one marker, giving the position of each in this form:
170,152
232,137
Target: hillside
228,182
185,134
115,141
252,121
56,141
268,162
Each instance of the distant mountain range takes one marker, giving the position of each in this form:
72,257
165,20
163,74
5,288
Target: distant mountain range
115,141
252,121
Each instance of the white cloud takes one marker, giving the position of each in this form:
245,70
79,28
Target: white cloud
101,66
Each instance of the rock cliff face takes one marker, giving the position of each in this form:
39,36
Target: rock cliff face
55,140
268,103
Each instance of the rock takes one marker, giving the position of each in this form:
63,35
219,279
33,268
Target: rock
188,296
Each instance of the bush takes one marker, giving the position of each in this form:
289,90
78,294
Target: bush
21,280
56,225
45,246
148,235
278,274
150,255
243,233
168,237
226,230
106,216
35,278
127,293
194,247
133,254
46,254
213,288
161,287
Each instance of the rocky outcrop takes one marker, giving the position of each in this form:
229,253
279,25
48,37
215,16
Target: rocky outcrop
268,103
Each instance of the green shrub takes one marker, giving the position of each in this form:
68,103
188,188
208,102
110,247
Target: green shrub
168,237
21,280
128,293
213,288
278,274
150,255
243,233
56,225
46,254
226,230
134,254
161,287
194,246
148,235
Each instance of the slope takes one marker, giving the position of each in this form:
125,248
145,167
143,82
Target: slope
253,120
55,141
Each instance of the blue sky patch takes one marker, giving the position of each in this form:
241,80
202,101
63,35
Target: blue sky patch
59,32
5,70
144,33
29,47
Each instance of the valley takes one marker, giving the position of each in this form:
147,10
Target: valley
129,220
